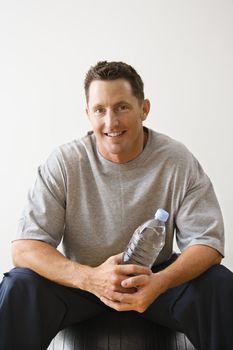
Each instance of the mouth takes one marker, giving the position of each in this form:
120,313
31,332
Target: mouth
115,134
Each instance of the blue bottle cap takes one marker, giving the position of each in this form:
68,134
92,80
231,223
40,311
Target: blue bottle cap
161,215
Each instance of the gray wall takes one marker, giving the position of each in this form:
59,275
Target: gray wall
182,48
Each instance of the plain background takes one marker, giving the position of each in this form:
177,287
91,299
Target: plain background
183,49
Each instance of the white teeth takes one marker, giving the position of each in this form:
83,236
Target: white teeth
113,134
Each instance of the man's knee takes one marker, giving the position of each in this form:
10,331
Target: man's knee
207,294
20,283
20,275
30,315
25,294
216,279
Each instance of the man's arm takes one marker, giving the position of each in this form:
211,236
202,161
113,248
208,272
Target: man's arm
48,262
190,264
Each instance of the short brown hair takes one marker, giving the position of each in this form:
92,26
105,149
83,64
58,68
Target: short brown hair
104,70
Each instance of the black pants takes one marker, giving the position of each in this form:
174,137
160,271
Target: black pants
33,309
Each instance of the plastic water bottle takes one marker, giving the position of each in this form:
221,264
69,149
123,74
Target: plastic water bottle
147,241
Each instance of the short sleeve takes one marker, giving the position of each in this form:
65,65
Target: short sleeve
199,219
43,217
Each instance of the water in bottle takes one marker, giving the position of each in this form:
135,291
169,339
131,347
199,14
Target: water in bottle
147,241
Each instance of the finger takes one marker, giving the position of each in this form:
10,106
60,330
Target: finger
135,281
119,258
123,298
116,305
116,259
121,289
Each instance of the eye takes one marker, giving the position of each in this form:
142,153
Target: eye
99,111
122,108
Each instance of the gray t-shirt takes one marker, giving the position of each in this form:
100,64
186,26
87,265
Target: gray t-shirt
93,205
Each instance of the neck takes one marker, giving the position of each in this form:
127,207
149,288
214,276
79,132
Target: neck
145,137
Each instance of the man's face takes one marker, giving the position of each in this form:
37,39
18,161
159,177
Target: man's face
116,116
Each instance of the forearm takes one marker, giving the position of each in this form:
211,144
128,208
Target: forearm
190,264
49,263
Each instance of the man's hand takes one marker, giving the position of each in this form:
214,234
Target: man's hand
106,279
148,288
189,265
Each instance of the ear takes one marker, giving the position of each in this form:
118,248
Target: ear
145,109
87,112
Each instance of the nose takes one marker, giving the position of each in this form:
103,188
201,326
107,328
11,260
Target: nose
111,120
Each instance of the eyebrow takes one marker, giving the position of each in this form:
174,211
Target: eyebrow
122,102
98,105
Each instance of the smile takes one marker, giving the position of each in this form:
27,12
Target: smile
114,134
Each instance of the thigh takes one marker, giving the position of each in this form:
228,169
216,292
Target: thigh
80,305
35,309
201,308
75,304
205,310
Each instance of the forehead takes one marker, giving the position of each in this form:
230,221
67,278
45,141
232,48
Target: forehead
110,92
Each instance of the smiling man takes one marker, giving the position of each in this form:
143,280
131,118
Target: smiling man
91,194
116,116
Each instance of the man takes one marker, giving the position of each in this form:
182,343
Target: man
91,194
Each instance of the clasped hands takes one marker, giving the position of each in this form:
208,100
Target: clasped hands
125,287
